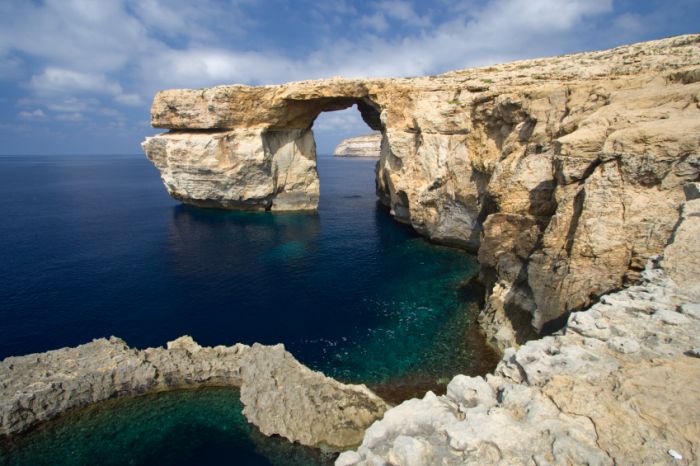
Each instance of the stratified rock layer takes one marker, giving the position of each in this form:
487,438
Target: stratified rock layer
619,385
564,173
281,396
360,146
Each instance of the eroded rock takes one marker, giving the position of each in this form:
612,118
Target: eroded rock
281,396
564,173
617,386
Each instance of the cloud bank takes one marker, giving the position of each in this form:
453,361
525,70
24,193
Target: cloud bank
90,64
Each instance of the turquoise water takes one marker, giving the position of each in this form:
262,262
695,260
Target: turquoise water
188,427
93,247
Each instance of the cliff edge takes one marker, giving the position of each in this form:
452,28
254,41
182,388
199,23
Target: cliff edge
564,174
618,385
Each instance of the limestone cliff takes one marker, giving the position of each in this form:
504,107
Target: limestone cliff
564,173
619,385
280,395
361,146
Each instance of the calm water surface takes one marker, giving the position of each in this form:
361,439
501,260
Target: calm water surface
93,247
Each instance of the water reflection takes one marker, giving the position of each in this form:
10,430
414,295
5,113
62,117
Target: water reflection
206,241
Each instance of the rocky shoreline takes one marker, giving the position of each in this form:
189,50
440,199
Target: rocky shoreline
567,176
280,395
618,385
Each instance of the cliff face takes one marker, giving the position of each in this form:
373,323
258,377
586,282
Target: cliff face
360,146
565,174
617,386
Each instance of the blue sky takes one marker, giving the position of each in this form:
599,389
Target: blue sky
77,76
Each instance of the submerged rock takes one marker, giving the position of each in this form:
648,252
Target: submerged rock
361,146
564,173
281,396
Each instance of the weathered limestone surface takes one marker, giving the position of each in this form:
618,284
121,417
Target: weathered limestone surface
247,169
280,395
564,173
618,385
368,145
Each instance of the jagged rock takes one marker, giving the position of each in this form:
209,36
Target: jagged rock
281,396
360,146
588,152
617,386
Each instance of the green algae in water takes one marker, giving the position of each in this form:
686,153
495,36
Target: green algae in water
185,427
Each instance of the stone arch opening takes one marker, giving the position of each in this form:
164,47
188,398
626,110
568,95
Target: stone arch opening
294,150
302,113
248,148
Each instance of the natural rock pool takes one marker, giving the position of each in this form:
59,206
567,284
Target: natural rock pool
94,247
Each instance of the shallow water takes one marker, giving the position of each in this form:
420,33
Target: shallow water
188,427
93,246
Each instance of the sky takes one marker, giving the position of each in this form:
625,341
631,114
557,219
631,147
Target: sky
78,76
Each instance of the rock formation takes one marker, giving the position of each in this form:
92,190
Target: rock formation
281,396
564,173
368,145
619,385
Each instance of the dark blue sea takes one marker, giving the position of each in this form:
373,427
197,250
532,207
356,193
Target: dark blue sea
92,246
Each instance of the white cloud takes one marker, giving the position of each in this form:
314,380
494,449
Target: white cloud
403,11
201,20
342,7
346,121
119,52
376,21
37,114
132,100
60,81
198,67
73,105
74,34
70,117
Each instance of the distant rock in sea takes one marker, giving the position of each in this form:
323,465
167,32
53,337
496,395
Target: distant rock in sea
368,145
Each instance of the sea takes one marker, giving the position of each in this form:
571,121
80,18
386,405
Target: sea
92,246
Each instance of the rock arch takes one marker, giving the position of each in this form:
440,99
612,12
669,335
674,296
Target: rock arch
245,148
552,181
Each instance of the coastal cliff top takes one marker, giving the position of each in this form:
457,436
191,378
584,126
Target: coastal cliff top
297,104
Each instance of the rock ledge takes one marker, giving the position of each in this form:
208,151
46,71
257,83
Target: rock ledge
280,395
618,385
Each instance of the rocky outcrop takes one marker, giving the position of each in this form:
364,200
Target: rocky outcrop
618,385
564,173
368,145
281,396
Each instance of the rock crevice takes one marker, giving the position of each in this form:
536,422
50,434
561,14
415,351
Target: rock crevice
617,385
